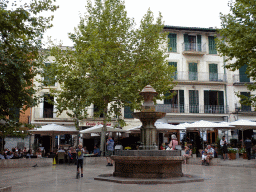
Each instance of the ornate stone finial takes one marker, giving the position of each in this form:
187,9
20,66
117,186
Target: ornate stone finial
148,93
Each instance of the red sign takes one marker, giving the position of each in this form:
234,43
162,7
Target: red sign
88,123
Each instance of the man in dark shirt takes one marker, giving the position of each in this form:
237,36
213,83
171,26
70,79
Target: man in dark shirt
248,146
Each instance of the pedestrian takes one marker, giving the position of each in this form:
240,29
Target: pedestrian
110,150
80,157
225,150
248,146
173,142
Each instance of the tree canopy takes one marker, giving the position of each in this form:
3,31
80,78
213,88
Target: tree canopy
238,42
111,62
21,31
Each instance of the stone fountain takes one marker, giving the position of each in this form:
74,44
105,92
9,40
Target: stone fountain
148,163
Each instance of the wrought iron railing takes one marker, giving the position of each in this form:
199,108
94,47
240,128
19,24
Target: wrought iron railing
241,79
176,108
199,76
194,47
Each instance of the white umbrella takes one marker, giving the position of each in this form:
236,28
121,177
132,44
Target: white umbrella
161,126
54,129
243,124
98,129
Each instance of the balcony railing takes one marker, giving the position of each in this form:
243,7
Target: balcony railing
194,47
52,113
241,79
199,76
176,108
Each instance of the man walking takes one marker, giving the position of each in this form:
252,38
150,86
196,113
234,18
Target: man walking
248,146
110,150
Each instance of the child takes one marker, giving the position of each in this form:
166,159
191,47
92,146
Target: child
80,156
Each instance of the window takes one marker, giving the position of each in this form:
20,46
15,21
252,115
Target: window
176,102
213,102
175,65
193,101
98,112
212,48
243,106
128,112
15,114
242,75
49,81
172,45
192,42
48,106
213,72
193,72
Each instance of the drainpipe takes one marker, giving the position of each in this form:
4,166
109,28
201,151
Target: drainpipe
225,87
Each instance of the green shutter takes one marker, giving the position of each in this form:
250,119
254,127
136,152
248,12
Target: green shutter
221,101
206,102
212,48
128,112
186,42
193,71
175,65
213,72
172,42
242,75
245,107
193,101
181,100
15,114
167,101
199,44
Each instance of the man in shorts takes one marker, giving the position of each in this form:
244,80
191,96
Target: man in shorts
210,154
80,157
110,151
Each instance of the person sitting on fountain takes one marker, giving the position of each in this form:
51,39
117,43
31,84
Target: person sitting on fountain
173,142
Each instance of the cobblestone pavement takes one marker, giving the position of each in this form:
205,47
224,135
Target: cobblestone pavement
223,178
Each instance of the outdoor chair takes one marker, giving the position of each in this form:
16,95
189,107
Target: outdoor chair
61,156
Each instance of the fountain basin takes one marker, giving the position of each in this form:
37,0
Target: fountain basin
148,164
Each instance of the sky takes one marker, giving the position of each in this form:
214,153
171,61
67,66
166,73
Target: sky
188,13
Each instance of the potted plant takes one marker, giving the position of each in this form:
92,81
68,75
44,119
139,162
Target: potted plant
243,152
232,153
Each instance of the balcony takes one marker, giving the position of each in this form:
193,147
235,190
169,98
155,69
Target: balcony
193,49
206,109
200,76
241,79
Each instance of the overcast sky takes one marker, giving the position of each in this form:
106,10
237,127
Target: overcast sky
189,13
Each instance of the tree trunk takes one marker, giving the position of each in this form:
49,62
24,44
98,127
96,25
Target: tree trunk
103,133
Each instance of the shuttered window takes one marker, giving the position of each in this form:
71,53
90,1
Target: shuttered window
242,75
181,100
174,64
193,72
243,106
212,48
213,72
172,46
193,101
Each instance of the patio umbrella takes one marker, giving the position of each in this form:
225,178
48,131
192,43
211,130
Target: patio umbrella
243,124
161,126
54,129
98,129
206,126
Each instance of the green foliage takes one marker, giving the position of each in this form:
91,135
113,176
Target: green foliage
238,41
232,150
20,42
242,150
111,62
